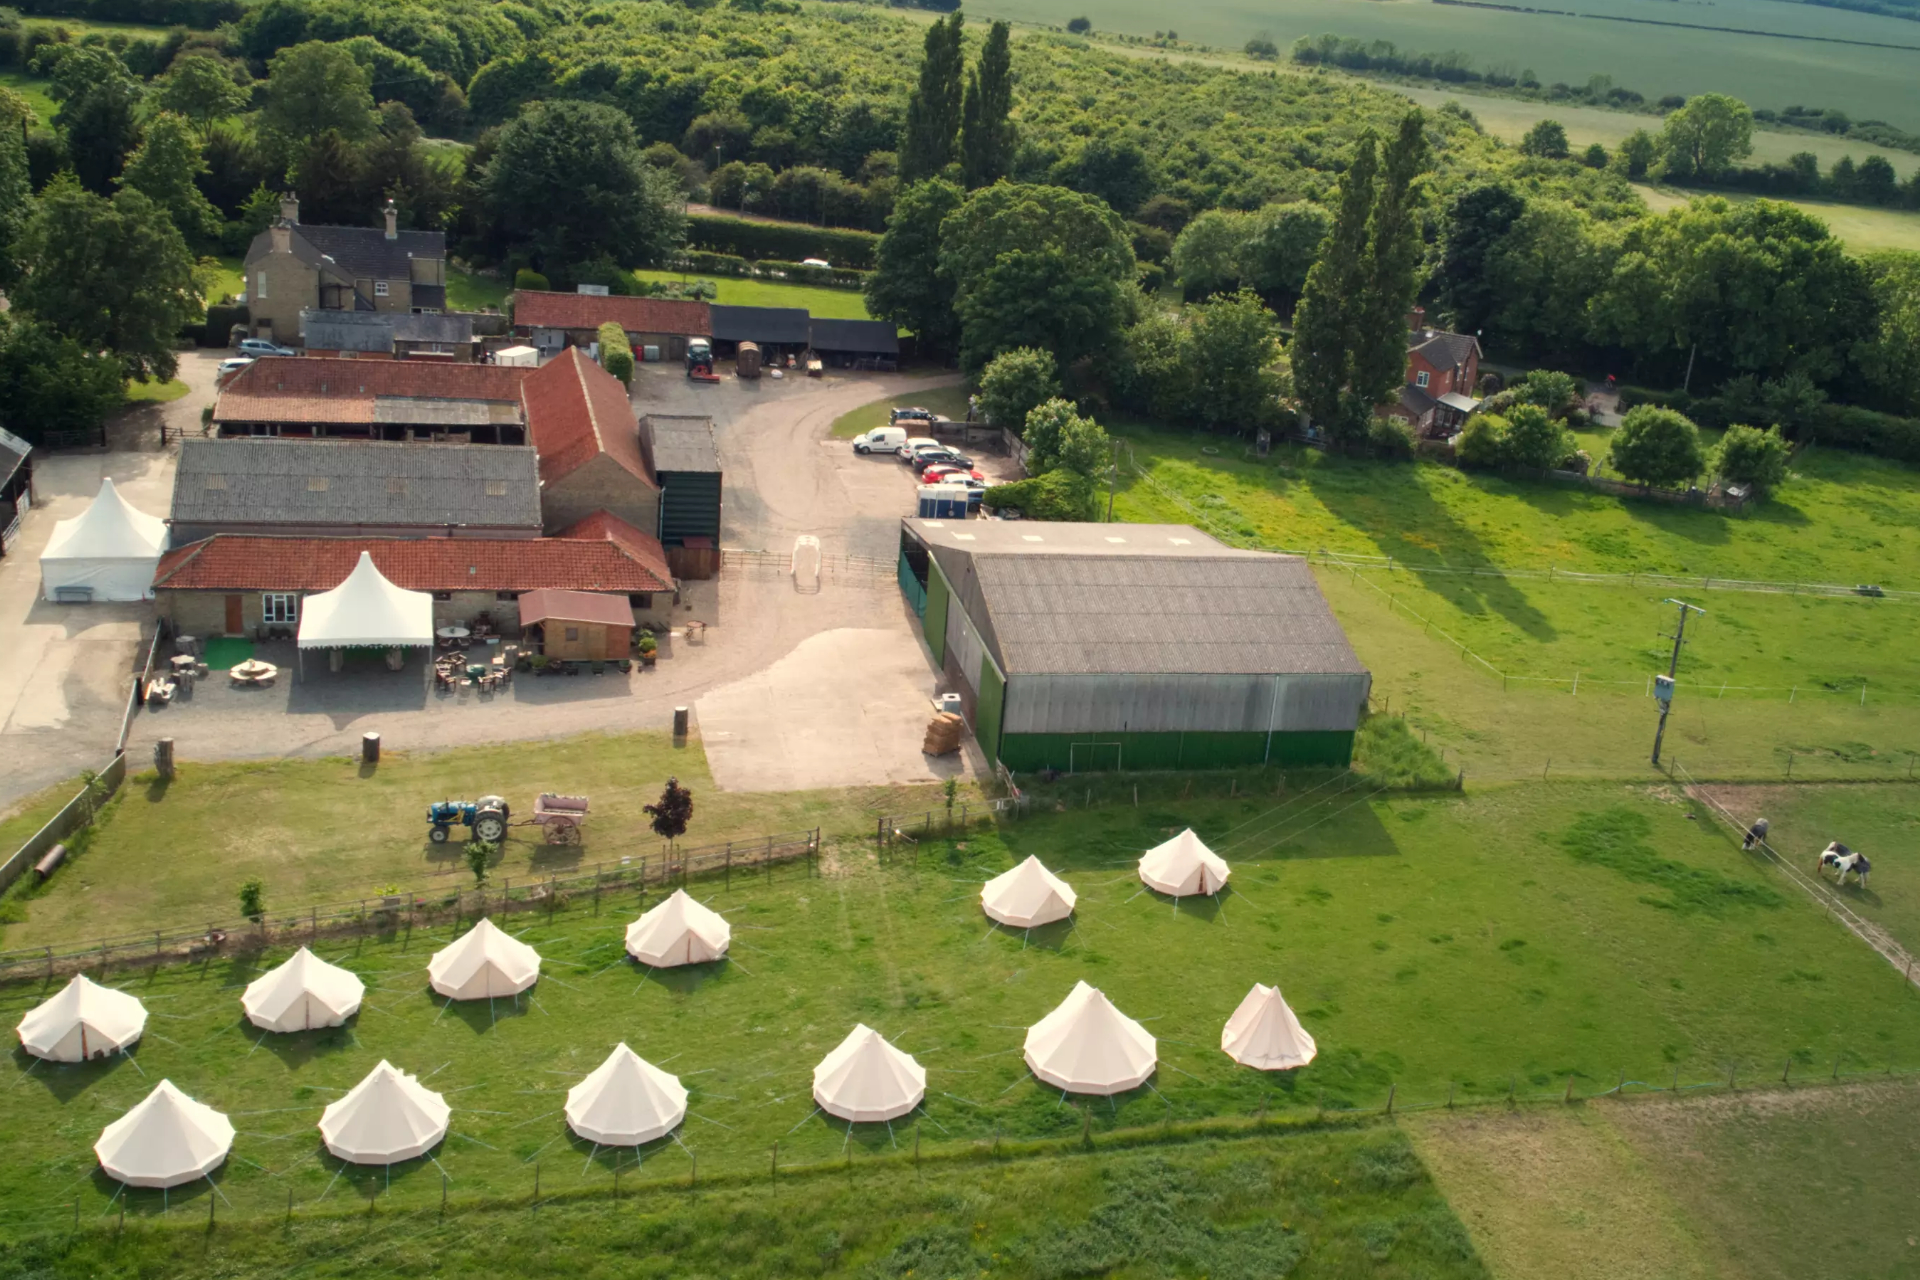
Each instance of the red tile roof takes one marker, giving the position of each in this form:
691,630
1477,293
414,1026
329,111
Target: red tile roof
324,389
577,411
635,315
604,525
246,562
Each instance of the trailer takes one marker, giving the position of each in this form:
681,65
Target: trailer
560,817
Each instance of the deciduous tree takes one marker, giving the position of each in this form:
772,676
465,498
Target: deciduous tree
49,382
1060,439
1752,457
205,89
1236,342
1547,139
99,104
164,168
1707,137
986,131
1477,223
1284,243
1654,446
1328,322
673,811
933,111
906,285
1014,383
314,88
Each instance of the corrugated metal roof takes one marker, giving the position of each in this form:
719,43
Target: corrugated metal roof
265,481
682,442
784,325
863,337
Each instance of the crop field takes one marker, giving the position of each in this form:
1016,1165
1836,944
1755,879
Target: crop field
1766,71
1464,947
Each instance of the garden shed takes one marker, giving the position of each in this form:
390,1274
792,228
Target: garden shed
580,624
1126,646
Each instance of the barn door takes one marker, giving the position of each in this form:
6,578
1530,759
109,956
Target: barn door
236,625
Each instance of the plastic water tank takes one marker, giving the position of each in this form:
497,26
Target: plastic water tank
949,702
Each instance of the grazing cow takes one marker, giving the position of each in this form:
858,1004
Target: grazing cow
1844,860
1756,834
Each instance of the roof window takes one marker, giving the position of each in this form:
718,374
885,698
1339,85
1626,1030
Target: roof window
317,484
496,488
397,486
216,482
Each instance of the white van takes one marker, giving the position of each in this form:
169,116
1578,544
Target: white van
880,440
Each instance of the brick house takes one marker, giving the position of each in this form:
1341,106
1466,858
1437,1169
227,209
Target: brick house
591,457
554,320
292,267
1442,371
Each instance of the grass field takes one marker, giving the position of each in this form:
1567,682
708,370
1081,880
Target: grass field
468,292
1469,945
828,304
155,392
1861,229
34,90
949,402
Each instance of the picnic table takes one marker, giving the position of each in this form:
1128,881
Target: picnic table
254,671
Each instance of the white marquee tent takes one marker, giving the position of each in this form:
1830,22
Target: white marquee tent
303,993
165,1140
1027,896
84,1021
626,1101
111,549
1263,1033
482,963
366,611
868,1079
1184,868
678,931
386,1118
1088,1046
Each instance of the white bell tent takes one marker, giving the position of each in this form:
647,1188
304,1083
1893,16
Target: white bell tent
484,962
1183,867
1027,896
366,611
301,994
1088,1046
626,1101
1264,1034
679,931
868,1079
84,1021
386,1118
110,550
165,1140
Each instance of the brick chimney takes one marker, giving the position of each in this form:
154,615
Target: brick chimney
1417,319
290,208
280,236
393,221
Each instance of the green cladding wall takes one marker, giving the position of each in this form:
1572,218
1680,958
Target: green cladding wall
1082,752
987,709
934,620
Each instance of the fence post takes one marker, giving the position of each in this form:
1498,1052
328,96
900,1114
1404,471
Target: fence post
729,864
1568,1097
769,859
1391,1090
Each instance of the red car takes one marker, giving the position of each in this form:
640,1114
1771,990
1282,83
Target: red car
943,471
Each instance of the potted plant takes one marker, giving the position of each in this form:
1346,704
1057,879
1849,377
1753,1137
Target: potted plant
648,647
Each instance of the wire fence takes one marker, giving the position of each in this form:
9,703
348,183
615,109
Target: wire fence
403,911
845,567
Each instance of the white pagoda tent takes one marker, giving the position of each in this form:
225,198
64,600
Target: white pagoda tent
1263,1033
626,1101
301,994
386,1118
868,1079
84,1021
111,550
366,611
484,962
165,1140
1183,867
679,931
1088,1046
1027,896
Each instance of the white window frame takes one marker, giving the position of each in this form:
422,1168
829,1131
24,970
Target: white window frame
279,608
259,286
1421,379
379,288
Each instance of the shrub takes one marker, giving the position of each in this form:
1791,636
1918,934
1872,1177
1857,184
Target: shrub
1056,495
1483,441
674,811
1534,440
1060,439
1263,48
253,899
528,278
1079,26
1014,383
1752,457
843,248
616,353
1558,393
1390,438
1657,447
478,854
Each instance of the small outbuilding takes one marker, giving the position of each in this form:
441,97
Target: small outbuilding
686,460
580,624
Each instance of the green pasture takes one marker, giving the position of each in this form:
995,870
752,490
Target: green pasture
34,90
828,304
950,402
1862,229
155,392
1469,945
469,292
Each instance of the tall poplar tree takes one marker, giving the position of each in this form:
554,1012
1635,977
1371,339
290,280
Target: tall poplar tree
1380,353
986,132
1326,323
933,112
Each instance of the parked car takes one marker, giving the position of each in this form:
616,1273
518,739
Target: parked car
880,440
945,472
816,262
261,347
913,444
910,415
925,458
230,367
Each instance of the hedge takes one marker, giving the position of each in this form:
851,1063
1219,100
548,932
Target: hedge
204,14
726,264
1844,426
220,321
616,354
781,240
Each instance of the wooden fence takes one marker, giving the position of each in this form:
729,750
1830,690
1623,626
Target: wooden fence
77,813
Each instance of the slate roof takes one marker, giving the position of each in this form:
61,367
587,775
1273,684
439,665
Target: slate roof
577,411
1086,599
681,442
1441,349
787,326
267,481
253,562
363,331
540,309
13,453
863,337
323,389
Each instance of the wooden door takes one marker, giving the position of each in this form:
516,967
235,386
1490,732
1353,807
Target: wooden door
236,625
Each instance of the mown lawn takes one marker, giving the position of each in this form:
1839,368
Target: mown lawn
155,392
828,304
1473,945
34,90
950,402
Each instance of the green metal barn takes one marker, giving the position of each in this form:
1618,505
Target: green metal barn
686,459
1128,646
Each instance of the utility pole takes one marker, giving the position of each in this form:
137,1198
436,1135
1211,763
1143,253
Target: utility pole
1663,685
1686,384
1113,478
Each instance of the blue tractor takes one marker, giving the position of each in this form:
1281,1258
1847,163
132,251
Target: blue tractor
485,819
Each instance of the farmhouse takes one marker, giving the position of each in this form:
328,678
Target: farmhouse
292,268
351,488
374,400
591,454
658,328
1102,646
1442,371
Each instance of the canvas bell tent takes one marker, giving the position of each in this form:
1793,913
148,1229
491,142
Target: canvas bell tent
626,1101
167,1139
84,1021
301,994
108,552
1183,867
1264,1034
678,931
867,1079
386,1118
1027,896
482,963
366,611
1088,1046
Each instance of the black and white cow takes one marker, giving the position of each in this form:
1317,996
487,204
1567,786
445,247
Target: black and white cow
1756,834
1844,860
